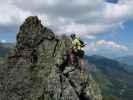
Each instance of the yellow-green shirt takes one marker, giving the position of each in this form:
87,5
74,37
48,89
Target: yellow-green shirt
76,44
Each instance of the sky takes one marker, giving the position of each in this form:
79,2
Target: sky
105,25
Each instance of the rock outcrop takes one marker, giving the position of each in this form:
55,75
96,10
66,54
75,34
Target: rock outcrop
38,68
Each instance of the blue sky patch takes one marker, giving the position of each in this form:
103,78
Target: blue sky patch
112,1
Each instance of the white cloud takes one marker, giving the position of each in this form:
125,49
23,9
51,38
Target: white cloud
63,16
91,37
105,45
111,44
119,12
3,41
10,14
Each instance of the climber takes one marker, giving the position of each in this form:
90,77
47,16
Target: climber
77,52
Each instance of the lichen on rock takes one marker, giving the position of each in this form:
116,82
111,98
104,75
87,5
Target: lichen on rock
38,69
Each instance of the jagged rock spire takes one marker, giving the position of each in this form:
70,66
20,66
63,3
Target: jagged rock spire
31,32
38,70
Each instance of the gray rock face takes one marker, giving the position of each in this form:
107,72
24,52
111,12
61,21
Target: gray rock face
38,69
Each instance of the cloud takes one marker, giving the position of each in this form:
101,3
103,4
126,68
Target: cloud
63,16
11,16
120,12
3,41
112,45
105,46
91,37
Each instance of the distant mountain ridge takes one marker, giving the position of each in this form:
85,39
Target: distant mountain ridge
115,80
5,48
126,59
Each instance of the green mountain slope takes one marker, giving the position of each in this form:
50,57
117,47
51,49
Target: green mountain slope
126,59
116,83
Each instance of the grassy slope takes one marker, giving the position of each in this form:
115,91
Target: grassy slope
116,83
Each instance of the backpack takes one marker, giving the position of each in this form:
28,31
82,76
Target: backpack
82,43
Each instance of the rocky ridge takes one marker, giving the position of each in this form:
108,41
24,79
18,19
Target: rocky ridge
38,68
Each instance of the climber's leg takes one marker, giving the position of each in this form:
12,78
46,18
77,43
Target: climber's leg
70,57
81,57
75,58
